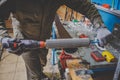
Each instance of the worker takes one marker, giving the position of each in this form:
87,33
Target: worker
35,18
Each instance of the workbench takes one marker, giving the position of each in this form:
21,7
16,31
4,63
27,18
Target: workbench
74,29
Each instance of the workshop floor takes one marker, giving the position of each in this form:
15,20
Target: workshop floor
12,67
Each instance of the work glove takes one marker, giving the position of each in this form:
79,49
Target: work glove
30,44
102,33
8,44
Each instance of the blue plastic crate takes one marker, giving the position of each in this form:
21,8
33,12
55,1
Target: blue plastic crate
109,19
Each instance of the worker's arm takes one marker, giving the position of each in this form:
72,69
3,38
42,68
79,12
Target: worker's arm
6,6
87,9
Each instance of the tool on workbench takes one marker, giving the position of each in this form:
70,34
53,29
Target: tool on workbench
108,56
83,72
63,57
97,56
96,42
83,36
80,74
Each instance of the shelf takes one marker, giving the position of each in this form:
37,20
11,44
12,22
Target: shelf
114,12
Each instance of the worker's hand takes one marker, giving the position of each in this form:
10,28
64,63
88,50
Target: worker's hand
5,41
17,51
30,44
102,33
8,44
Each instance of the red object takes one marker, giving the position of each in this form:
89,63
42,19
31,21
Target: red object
63,58
83,36
42,44
97,56
15,45
106,6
